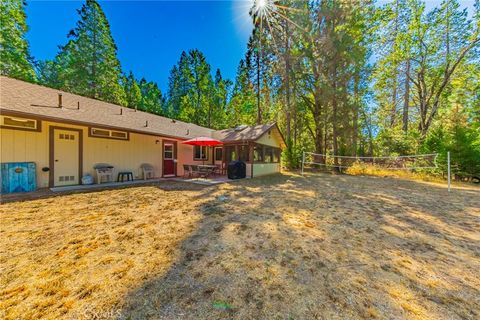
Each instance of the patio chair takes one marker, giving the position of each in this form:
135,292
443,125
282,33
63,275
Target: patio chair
148,171
187,171
194,169
219,169
104,170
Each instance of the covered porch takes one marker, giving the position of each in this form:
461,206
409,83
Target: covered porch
259,159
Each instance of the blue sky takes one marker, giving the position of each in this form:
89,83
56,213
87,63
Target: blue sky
150,35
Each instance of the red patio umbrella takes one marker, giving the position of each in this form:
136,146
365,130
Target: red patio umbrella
203,141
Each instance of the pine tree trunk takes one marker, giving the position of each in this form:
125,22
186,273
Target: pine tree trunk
393,113
355,113
406,99
94,59
295,115
259,58
318,123
334,113
334,125
287,87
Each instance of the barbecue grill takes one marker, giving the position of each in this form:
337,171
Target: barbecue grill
237,170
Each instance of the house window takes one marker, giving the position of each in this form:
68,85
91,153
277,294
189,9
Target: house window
230,154
258,153
66,136
119,134
243,153
200,153
218,154
268,155
19,123
276,155
105,133
168,151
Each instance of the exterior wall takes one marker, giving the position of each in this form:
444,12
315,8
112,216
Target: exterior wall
249,170
123,155
33,146
24,146
185,156
261,169
272,139
217,162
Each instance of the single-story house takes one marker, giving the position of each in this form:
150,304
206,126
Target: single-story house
66,135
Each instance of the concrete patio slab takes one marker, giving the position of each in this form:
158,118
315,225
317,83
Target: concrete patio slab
103,185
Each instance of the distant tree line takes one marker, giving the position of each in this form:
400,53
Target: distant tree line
339,77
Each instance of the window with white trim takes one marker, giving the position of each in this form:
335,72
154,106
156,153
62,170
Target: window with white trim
168,151
21,123
200,153
105,133
218,154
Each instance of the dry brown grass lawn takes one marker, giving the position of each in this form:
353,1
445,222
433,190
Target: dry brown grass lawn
280,247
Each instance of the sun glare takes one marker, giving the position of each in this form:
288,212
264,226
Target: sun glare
263,7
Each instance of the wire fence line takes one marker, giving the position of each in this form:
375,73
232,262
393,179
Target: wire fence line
402,162
410,162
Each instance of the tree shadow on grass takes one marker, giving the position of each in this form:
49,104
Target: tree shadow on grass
322,247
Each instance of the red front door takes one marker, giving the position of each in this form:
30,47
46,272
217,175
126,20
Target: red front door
168,159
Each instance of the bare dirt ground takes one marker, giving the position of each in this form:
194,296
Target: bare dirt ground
280,247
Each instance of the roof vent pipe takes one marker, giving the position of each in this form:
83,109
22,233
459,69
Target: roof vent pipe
59,100
78,105
121,111
146,123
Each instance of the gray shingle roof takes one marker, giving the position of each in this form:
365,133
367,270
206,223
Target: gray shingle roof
242,133
20,96
36,100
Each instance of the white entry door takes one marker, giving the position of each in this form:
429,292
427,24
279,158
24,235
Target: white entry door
66,157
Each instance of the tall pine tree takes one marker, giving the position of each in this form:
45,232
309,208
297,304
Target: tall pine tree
88,63
14,54
132,91
192,93
242,107
152,99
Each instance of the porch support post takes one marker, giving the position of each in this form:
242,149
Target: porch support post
224,165
251,146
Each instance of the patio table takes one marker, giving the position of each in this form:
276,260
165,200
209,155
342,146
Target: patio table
206,169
